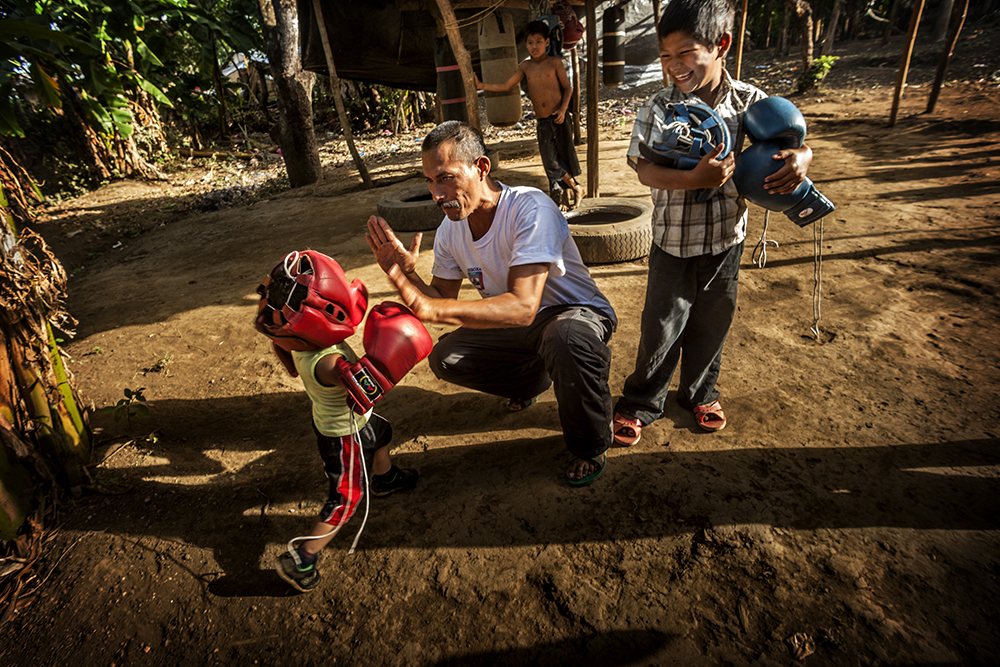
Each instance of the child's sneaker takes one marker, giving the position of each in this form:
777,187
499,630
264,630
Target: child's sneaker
397,479
303,579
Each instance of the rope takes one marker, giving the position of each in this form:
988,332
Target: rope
817,277
366,483
334,529
759,254
475,18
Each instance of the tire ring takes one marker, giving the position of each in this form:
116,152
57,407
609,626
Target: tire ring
410,209
612,229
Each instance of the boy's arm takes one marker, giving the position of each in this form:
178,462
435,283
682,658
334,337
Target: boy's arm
791,175
325,371
567,92
501,87
710,173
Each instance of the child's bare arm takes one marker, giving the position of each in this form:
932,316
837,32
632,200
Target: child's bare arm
710,173
567,92
791,175
326,373
502,87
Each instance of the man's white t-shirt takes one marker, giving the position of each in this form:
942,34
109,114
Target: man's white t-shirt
528,228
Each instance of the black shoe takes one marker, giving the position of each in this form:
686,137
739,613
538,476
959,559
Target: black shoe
397,479
304,579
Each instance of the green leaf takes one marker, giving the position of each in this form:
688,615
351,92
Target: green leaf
10,30
104,77
98,113
47,86
145,55
141,411
8,120
122,118
153,90
107,408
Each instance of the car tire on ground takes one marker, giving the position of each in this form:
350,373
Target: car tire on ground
410,209
612,229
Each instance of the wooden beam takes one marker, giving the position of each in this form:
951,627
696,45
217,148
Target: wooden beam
957,21
904,65
575,102
593,131
656,31
345,124
739,40
463,59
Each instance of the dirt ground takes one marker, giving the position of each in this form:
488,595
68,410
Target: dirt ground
849,509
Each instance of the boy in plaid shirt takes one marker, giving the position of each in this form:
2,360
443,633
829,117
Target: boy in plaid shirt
697,242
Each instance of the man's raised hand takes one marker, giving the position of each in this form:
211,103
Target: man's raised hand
388,249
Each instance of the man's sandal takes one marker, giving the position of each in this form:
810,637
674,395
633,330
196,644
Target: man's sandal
710,417
628,430
601,462
518,404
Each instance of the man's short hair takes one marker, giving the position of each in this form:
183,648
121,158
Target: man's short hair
705,20
537,28
469,144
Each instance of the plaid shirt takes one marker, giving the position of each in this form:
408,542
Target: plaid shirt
683,227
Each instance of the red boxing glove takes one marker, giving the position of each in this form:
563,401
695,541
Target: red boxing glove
395,341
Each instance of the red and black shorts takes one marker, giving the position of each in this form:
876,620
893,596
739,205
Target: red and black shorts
342,464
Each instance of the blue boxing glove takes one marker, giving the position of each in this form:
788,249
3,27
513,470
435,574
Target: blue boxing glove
682,134
775,124
778,119
803,206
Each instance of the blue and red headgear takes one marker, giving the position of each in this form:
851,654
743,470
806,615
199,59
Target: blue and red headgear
321,309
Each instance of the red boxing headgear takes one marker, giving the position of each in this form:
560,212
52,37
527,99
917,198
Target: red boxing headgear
321,309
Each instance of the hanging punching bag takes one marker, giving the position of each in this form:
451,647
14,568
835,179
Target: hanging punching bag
450,87
498,58
614,46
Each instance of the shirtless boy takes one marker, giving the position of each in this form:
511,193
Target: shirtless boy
550,93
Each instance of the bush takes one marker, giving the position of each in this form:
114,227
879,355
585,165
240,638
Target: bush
818,70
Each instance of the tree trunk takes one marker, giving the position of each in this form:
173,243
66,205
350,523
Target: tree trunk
42,430
279,23
893,14
220,92
941,26
831,29
766,28
784,40
804,13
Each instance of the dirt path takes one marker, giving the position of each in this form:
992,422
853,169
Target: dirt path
851,501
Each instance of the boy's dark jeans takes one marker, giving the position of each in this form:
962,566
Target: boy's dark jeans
690,304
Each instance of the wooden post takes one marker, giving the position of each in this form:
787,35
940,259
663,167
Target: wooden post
957,21
575,102
337,99
463,58
904,65
656,31
739,40
593,131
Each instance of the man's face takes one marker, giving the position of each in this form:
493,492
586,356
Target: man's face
693,67
537,45
456,186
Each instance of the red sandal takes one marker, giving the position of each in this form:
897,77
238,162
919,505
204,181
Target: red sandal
628,430
710,417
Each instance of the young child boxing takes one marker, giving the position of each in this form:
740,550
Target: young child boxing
307,309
